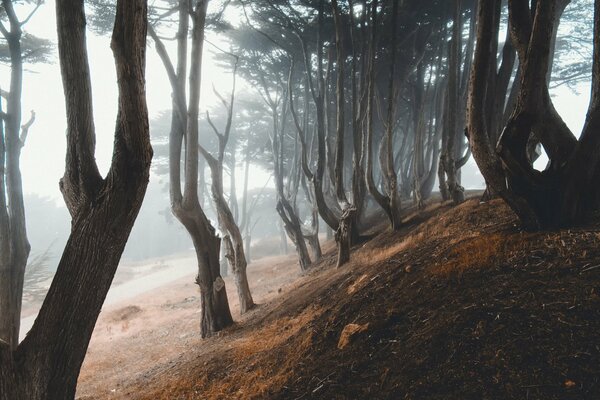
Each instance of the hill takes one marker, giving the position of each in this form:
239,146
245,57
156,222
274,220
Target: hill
460,304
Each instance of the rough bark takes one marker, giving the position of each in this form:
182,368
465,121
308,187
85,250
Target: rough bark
226,218
185,204
346,230
565,192
478,131
47,363
456,191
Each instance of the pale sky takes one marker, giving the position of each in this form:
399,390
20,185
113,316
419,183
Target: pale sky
42,161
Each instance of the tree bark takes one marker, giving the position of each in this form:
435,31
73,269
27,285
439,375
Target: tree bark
14,246
227,218
185,205
455,190
560,195
47,363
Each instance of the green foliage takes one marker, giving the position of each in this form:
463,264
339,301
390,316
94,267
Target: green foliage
574,45
34,49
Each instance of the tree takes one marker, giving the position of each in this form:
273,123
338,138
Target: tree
14,246
565,192
234,243
449,153
184,128
46,364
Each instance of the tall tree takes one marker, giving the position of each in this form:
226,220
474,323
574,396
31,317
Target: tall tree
47,363
184,129
234,243
14,246
566,191
449,152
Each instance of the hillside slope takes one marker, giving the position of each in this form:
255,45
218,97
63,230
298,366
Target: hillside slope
461,304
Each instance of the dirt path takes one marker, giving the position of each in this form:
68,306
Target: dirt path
145,323
133,280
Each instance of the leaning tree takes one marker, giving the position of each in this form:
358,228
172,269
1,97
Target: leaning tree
103,209
566,192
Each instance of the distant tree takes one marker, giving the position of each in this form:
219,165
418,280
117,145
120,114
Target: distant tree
45,366
16,48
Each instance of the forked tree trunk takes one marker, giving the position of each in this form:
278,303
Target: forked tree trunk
185,204
226,217
567,191
234,246
46,364
290,222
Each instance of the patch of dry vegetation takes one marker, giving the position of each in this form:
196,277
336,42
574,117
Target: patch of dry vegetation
459,304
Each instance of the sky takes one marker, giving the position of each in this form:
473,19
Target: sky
42,161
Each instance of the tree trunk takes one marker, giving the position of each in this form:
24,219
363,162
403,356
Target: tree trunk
455,190
14,246
561,194
46,364
227,216
186,207
346,231
234,245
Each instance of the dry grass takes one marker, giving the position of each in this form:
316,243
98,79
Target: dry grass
428,335
262,372
476,252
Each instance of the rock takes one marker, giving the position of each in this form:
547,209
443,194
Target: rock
349,332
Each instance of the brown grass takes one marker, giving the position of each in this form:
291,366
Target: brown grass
476,252
262,373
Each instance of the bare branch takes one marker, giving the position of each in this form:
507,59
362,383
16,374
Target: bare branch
207,156
3,30
26,20
212,125
25,128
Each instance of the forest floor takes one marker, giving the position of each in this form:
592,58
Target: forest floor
459,304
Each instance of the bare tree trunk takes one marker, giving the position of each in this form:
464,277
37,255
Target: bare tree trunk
46,364
290,221
185,205
14,246
227,220
245,217
561,195
234,247
455,190
347,223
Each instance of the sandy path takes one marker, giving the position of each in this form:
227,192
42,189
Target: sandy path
178,268
146,325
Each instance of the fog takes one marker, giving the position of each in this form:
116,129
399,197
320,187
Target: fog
156,232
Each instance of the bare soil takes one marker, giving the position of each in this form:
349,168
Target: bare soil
460,304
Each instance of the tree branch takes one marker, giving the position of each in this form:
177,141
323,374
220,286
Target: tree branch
25,128
39,3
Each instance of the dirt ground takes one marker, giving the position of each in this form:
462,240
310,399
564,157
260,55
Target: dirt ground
134,335
460,304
